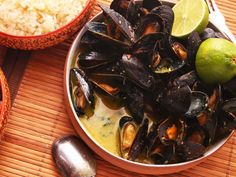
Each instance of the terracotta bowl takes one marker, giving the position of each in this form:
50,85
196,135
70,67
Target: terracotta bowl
4,103
51,38
118,161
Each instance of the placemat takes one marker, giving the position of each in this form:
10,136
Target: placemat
38,115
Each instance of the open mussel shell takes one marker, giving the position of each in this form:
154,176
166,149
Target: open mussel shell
176,100
139,141
152,137
171,131
230,106
127,130
150,4
93,59
120,22
168,56
166,65
208,119
82,90
228,115
145,44
167,14
199,101
150,23
137,72
99,30
109,84
161,154
120,6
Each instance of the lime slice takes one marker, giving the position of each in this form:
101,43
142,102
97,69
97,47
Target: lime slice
189,16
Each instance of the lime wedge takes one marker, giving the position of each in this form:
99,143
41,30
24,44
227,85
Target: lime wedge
189,16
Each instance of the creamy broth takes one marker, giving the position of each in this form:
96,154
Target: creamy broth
103,125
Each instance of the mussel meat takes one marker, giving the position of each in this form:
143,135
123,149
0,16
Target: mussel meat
127,130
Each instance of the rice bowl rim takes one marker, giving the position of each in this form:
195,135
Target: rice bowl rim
62,28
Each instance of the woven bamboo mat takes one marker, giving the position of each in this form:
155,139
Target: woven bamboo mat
38,116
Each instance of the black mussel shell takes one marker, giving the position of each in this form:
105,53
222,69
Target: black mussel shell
207,33
127,130
230,86
120,6
137,72
134,100
230,106
150,4
228,115
139,140
176,100
99,30
209,119
146,44
93,59
134,12
167,15
194,42
196,133
152,137
150,23
120,22
199,101
171,131
192,150
83,92
170,55
187,79
109,84
90,41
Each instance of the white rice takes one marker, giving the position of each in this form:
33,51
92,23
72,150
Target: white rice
35,17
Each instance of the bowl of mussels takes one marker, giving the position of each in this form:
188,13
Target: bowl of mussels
133,93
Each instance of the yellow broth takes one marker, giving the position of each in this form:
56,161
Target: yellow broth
103,124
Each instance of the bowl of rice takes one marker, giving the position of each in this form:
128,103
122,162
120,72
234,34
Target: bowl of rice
37,24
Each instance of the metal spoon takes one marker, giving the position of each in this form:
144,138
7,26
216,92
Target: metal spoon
73,157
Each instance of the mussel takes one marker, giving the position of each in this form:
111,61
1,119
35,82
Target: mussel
171,131
93,59
137,72
151,23
99,30
134,101
199,103
82,89
135,12
120,6
121,23
167,14
176,100
139,140
151,4
127,130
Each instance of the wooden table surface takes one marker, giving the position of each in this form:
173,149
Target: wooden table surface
38,114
